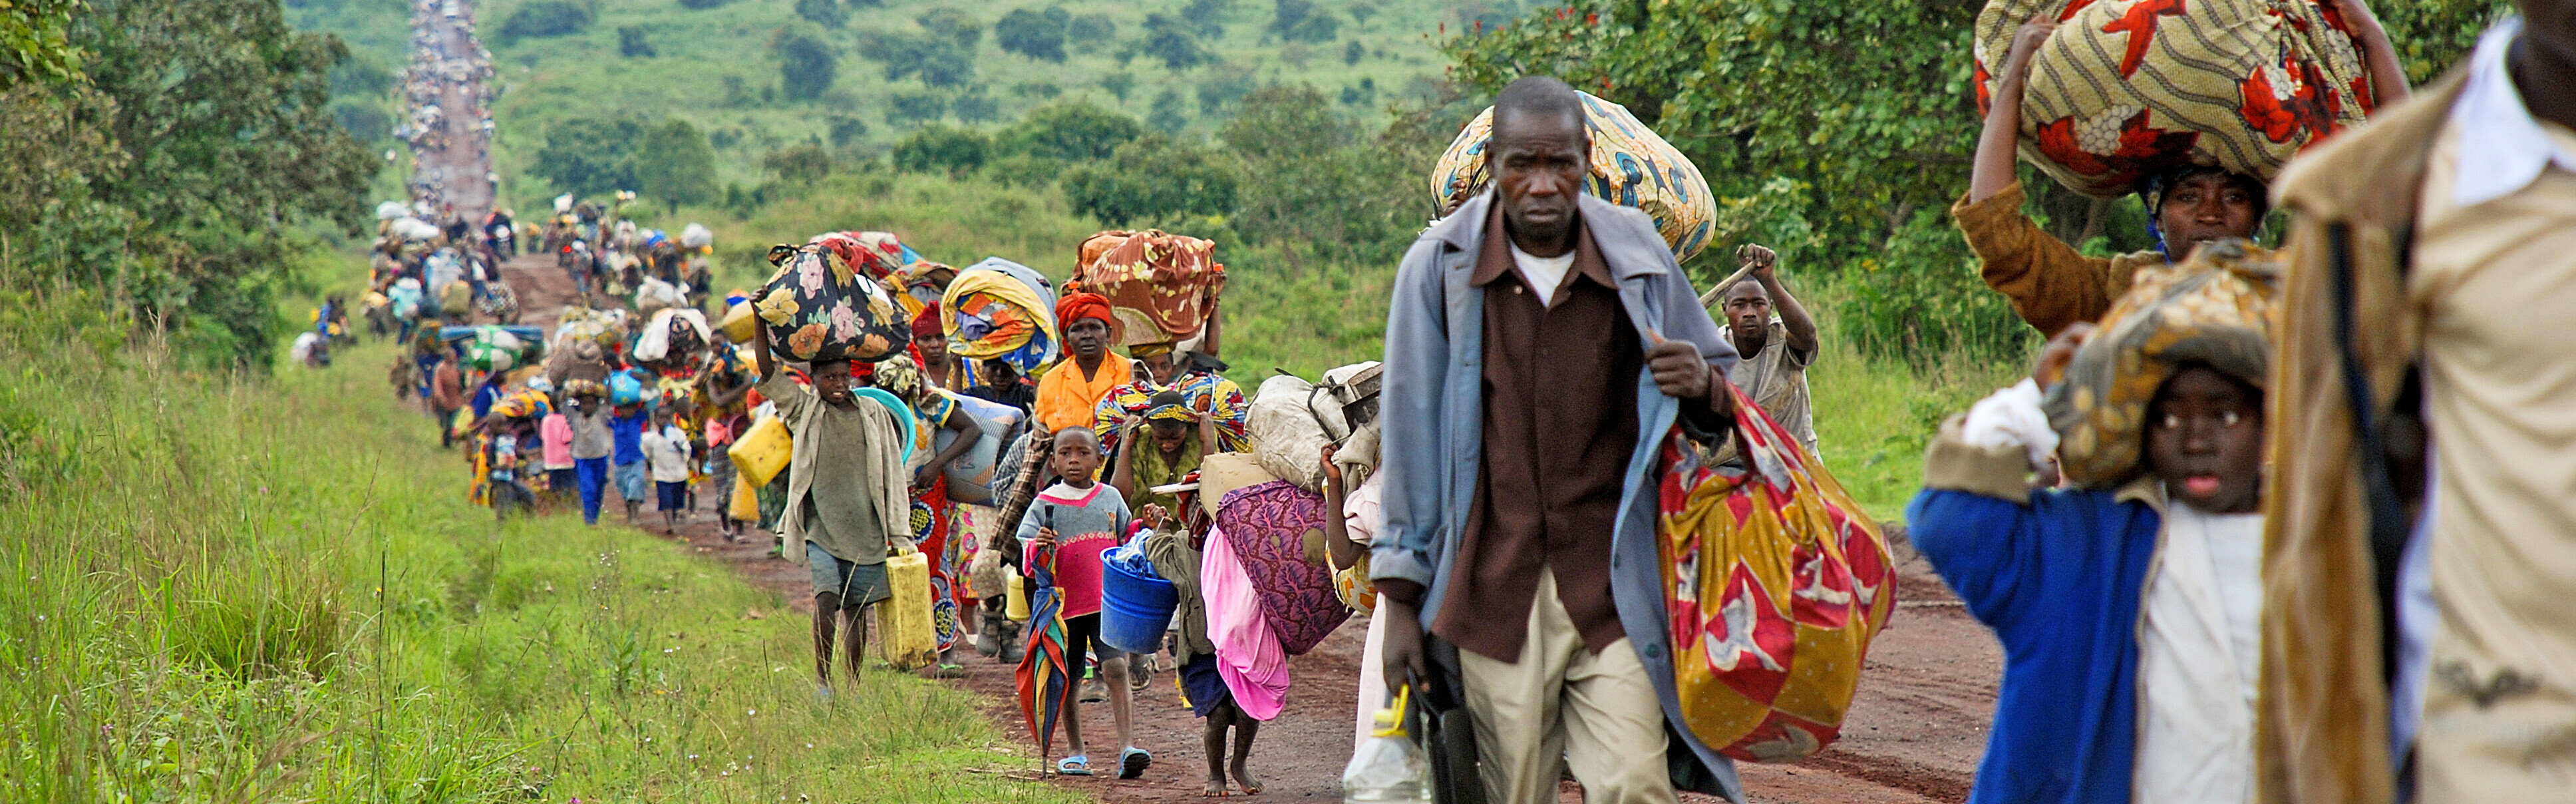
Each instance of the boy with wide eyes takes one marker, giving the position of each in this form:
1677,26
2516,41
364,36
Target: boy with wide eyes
2130,610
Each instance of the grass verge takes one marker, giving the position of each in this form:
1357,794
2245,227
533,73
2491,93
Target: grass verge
228,589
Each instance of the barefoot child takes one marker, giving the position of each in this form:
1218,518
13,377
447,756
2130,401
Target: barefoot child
2129,607
1175,550
1066,530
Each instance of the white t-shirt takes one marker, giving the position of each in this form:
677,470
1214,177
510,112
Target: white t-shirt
1543,273
2199,656
668,451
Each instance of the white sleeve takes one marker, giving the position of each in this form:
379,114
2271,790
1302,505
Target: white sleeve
2011,418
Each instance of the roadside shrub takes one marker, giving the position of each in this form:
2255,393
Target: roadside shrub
545,19
955,150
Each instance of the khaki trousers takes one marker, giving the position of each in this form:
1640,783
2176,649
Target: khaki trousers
1596,713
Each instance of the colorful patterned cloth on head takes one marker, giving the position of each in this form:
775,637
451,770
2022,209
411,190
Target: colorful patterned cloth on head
1158,285
875,255
927,323
2216,309
1631,167
1223,399
1001,310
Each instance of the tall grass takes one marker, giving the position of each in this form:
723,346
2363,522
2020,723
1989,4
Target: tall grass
226,589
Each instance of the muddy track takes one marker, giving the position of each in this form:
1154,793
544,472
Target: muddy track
455,157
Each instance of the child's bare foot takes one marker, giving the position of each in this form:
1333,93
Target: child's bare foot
1243,779
1215,785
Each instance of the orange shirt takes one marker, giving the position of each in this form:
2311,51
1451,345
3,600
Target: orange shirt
1065,399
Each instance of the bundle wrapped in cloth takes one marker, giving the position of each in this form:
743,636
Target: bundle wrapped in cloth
1159,285
1631,167
818,307
1001,310
2128,89
2216,309
677,336
874,255
492,347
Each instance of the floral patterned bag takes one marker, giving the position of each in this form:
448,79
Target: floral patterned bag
817,307
1775,581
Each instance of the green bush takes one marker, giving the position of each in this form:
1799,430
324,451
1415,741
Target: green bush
1924,303
954,150
1073,131
543,19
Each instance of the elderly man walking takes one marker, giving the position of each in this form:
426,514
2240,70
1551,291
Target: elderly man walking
1541,343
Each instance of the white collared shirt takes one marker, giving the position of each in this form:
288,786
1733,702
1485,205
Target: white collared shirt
2502,148
1543,273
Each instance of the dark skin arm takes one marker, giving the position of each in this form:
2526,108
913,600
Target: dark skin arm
1337,533
760,352
1793,316
1122,472
1992,169
2387,76
967,432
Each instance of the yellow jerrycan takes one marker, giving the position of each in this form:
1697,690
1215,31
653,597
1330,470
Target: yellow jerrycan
911,642
763,450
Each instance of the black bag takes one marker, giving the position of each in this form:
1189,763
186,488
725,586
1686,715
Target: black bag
1441,722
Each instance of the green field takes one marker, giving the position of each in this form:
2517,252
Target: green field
273,589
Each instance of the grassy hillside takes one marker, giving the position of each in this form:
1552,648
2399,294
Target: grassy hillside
274,590
715,66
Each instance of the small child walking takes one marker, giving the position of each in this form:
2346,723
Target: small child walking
666,446
1175,548
1065,530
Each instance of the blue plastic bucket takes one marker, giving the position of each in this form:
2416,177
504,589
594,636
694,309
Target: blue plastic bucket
1134,610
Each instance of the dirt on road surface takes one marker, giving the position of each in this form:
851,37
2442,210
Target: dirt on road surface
452,159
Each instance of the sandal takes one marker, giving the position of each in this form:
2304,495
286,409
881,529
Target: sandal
1133,762
949,671
1076,765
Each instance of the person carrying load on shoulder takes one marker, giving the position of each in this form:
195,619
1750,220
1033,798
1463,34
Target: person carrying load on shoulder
1777,341
2417,638
2051,284
1540,344
2129,606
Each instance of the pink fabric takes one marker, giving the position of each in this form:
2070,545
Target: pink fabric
718,434
1077,555
1248,656
557,433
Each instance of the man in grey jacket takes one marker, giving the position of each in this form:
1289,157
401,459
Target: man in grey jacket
1541,344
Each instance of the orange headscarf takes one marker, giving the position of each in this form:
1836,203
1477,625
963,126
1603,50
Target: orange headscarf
1079,305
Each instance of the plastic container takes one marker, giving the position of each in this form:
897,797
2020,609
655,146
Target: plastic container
745,505
1015,595
1134,609
910,640
1389,768
763,450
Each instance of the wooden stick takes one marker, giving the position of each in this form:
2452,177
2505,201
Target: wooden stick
1706,299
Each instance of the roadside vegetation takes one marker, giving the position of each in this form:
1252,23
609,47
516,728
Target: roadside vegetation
249,588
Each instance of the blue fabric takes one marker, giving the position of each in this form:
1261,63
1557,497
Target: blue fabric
2059,581
674,494
485,395
594,482
1433,409
628,432
1201,684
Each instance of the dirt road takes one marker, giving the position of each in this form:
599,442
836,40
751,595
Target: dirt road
452,156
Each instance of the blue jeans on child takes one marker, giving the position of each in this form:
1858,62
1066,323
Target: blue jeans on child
631,483
594,481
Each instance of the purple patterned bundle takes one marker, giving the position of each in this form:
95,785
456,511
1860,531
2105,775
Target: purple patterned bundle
1267,525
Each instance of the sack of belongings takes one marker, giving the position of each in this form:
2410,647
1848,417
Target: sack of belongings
2127,89
1292,420
2217,308
1000,310
677,335
1159,285
1631,167
818,307
1775,581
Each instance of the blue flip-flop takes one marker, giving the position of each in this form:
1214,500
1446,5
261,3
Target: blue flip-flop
1133,762
1076,765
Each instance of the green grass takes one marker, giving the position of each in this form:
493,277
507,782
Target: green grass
245,590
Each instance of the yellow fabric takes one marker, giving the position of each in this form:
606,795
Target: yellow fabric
2501,391
1001,285
1065,399
2050,284
2321,731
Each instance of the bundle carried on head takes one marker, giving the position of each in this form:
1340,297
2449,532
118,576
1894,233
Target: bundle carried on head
2127,89
1159,285
2216,309
1631,167
1001,310
818,307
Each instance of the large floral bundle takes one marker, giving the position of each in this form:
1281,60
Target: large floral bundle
2126,89
817,307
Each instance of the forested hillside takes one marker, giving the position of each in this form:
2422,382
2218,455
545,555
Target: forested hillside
853,76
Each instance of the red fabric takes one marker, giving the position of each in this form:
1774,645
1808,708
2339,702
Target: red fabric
1078,306
927,323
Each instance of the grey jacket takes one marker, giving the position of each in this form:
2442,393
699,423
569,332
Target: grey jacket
1433,410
